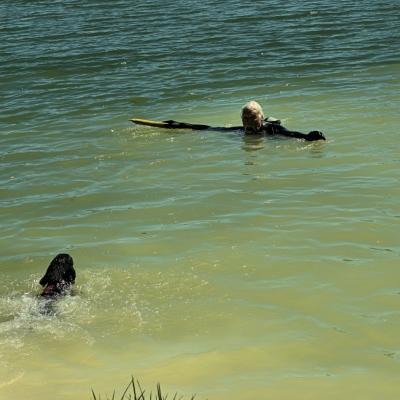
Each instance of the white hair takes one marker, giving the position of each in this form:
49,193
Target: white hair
252,116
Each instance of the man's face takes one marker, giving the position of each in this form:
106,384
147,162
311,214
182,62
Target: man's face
252,122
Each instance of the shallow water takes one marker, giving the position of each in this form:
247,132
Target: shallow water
230,267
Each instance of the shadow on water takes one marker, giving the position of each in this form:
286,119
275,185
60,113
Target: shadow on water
47,306
253,142
257,142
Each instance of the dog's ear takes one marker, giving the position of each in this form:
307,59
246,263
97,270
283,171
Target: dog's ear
44,280
47,276
70,273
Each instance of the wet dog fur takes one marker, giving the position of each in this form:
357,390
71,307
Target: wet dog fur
59,277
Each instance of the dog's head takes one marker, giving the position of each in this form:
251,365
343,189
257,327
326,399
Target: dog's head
60,271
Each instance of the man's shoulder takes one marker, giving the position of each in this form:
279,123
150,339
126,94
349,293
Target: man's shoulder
272,120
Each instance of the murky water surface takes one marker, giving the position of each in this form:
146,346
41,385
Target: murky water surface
230,267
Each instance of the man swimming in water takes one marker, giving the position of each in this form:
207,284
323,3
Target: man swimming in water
253,122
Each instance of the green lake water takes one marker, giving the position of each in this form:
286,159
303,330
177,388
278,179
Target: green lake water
228,266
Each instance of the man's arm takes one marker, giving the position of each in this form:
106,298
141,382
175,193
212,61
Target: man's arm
277,129
199,127
184,125
270,128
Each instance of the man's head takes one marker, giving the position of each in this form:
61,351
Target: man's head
252,117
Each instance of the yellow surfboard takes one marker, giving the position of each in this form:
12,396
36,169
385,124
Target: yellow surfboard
171,124
148,122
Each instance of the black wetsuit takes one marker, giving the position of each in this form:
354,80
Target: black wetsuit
269,128
272,128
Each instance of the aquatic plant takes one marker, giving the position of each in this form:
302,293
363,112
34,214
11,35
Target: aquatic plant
135,392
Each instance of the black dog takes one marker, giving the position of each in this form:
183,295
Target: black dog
59,277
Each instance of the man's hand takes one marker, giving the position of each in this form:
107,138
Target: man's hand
315,135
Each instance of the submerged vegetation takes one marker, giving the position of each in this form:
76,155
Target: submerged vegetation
135,392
